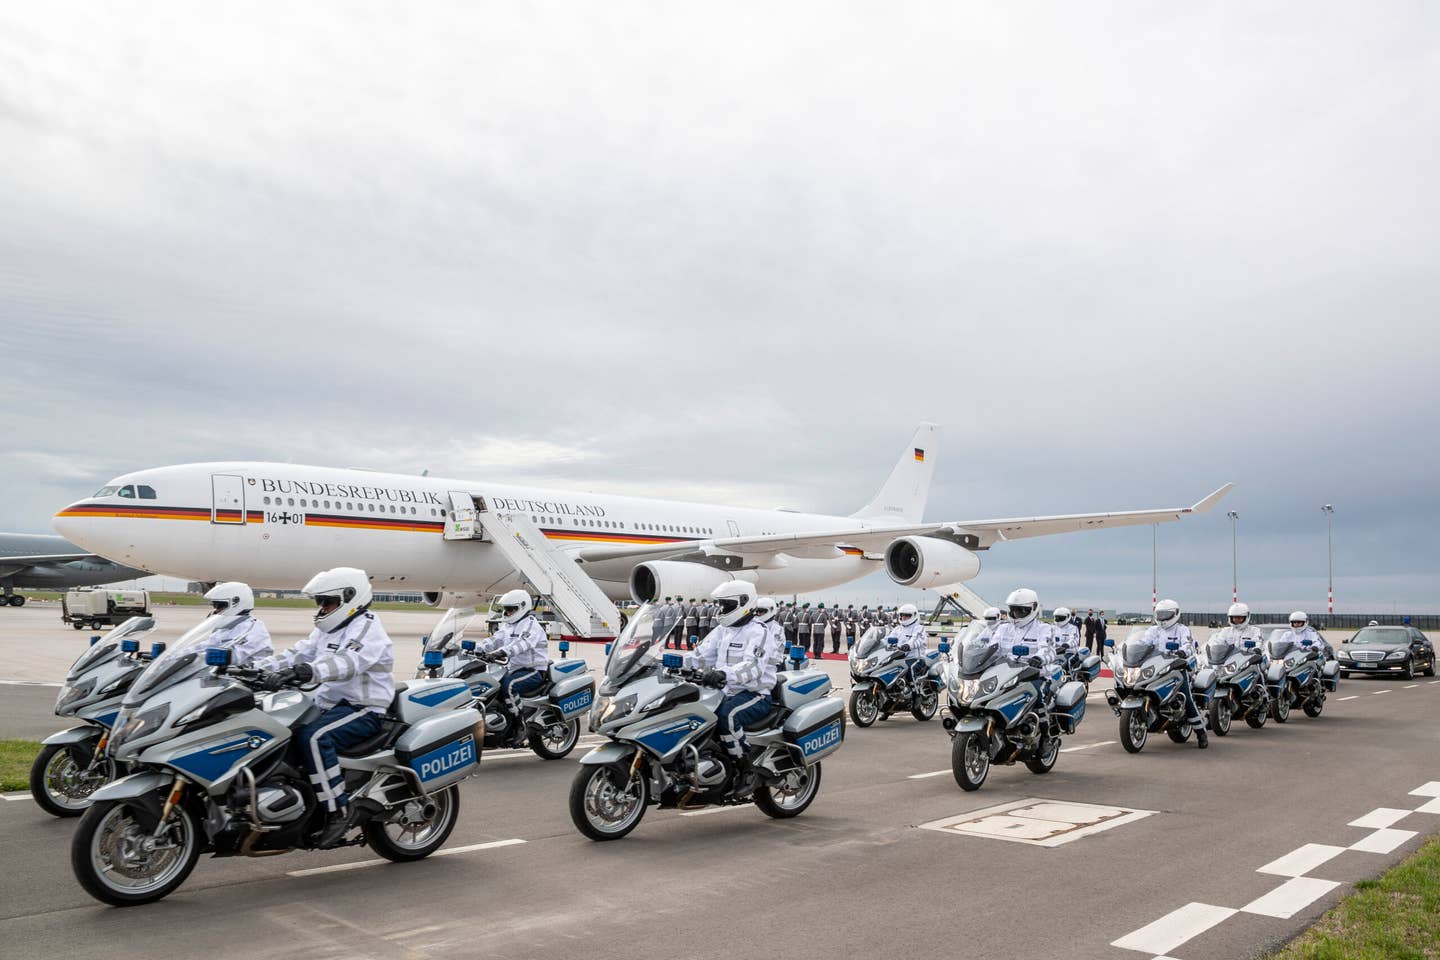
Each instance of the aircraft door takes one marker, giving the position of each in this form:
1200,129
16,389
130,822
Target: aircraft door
734,528
227,498
463,523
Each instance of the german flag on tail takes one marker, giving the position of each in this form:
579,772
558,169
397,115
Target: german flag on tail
919,455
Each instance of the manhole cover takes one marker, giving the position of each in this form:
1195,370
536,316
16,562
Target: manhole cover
1042,823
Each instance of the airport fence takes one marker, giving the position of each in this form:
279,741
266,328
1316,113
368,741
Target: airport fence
1324,621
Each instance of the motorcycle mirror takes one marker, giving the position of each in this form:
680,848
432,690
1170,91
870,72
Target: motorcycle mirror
1109,642
798,653
129,646
1020,650
1249,644
672,661
217,657
607,646
1172,645
944,647
564,648
893,641
156,649
434,658
94,639
469,645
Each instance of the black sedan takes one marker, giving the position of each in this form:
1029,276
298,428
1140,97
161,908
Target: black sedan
1382,649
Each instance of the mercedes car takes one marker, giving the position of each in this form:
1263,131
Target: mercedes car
1383,649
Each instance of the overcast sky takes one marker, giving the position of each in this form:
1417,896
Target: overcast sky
1123,252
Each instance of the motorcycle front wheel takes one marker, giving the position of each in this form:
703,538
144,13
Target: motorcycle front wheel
789,798
421,829
555,741
1043,761
1134,729
118,861
604,804
1280,706
60,785
925,707
970,759
1220,716
863,707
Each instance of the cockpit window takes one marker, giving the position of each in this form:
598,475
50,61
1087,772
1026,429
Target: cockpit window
105,492
128,491
146,493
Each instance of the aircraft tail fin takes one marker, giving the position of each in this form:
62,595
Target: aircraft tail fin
907,488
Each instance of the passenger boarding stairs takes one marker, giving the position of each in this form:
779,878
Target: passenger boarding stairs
552,573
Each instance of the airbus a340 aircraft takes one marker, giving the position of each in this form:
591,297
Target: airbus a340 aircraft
275,524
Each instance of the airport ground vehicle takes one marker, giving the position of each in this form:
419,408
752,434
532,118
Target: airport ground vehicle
1147,695
97,607
73,763
212,774
998,710
1298,677
550,718
1240,690
880,685
1383,649
664,748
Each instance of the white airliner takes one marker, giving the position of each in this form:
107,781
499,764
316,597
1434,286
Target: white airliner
276,524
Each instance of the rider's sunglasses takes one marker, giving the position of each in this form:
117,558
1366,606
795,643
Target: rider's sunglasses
510,611
327,604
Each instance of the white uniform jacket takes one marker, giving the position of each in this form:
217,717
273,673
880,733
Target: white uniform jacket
352,664
911,639
1176,632
1037,635
743,653
523,641
1067,633
1238,636
247,639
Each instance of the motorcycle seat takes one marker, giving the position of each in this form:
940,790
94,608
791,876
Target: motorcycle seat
390,731
760,723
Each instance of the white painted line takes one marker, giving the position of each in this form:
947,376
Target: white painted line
471,848
12,797
1376,693
1174,928
1086,746
1431,789
28,683
932,773
1432,806
1383,841
1290,897
1433,682
1343,699
360,864
1040,823
1411,686
709,810
1301,860
1380,817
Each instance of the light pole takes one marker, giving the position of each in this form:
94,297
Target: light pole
1329,512
1234,568
1154,566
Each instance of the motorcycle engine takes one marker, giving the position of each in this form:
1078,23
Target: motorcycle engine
279,804
496,722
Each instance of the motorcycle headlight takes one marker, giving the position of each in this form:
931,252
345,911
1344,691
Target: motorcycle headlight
1395,655
969,690
1147,673
864,663
611,709
1230,669
1010,682
73,693
142,723
989,684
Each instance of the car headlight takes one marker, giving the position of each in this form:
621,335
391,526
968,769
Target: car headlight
1395,655
73,693
139,725
1343,655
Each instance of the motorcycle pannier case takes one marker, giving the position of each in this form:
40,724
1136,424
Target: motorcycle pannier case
443,749
817,728
1330,676
799,687
1091,668
429,698
574,695
1070,705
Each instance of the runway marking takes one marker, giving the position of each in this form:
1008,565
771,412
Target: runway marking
1352,697
709,810
12,797
361,864
1383,841
1174,928
1376,693
932,773
1086,746
1433,682
1040,823
1432,806
29,683
1290,897
1431,789
1380,817
1301,860
1411,686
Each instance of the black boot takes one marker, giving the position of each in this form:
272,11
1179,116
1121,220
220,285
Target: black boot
340,823
1202,738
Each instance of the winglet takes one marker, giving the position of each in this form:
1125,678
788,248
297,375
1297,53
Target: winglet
1210,501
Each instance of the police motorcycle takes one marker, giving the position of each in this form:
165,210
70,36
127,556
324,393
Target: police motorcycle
664,748
550,718
1298,677
1078,663
1147,694
1240,690
212,773
72,764
879,685
997,710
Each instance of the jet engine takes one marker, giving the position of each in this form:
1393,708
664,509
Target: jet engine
657,579
922,562
449,598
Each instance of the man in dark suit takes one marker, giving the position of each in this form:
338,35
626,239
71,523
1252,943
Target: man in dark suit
1090,629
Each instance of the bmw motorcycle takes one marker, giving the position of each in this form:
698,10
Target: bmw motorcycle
213,774
1240,690
550,718
879,685
1298,677
1078,663
998,711
1147,694
72,764
664,748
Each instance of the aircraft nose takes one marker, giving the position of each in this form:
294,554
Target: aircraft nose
71,524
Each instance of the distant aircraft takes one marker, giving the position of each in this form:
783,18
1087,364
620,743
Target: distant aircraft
275,524
52,563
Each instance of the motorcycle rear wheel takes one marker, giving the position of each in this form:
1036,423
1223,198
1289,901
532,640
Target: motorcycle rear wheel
390,839
970,759
1256,718
555,741
781,801
1134,729
1178,734
1220,717
604,804
109,863
926,707
1044,761
863,707
1313,708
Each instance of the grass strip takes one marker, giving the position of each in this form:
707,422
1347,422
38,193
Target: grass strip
1394,917
16,756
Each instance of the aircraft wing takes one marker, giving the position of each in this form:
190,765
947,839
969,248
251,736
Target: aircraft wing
972,534
36,559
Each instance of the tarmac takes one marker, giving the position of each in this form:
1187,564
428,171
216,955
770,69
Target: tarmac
1223,853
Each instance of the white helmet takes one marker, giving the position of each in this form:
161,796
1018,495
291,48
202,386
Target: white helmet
1024,605
1167,612
341,594
1373,623
515,605
906,614
1062,614
735,599
232,596
1300,616
764,609
991,615
1239,610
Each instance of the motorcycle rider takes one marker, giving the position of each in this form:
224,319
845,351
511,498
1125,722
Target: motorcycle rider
991,616
350,655
1023,625
737,657
247,638
1067,631
1166,629
1300,631
765,615
909,635
526,647
1237,631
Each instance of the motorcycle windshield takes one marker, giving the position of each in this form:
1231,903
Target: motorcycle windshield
179,658
638,648
871,643
978,656
1218,651
1280,649
1136,649
448,633
102,649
